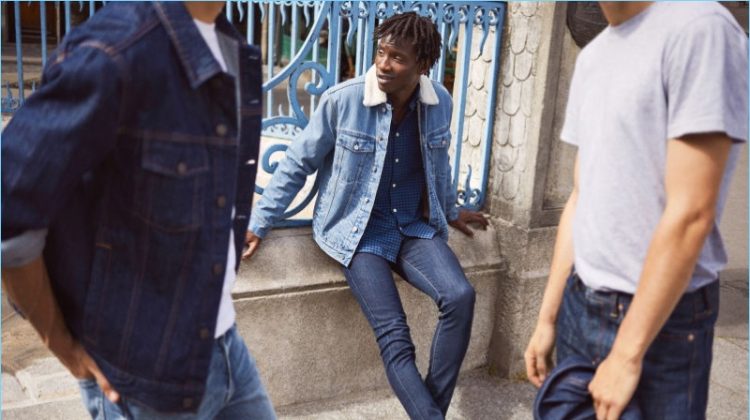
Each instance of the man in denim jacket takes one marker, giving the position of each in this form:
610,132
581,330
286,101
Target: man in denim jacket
126,188
380,146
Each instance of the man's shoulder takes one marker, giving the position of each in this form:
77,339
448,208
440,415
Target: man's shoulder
349,89
116,27
680,19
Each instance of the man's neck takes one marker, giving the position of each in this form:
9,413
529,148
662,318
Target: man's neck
617,12
204,11
400,100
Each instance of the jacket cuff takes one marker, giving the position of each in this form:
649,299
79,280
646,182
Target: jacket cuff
257,227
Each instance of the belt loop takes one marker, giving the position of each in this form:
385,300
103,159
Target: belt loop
615,302
706,298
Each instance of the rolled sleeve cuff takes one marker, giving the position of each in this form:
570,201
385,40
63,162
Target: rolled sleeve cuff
24,248
259,229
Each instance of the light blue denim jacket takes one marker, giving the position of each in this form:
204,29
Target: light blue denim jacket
346,141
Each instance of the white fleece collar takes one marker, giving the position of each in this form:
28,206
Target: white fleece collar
374,96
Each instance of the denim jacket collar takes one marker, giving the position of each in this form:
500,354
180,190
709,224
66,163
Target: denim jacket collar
197,60
374,96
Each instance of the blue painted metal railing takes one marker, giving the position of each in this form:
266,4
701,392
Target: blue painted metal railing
10,101
337,33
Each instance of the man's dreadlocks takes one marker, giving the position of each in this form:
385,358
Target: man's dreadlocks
419,31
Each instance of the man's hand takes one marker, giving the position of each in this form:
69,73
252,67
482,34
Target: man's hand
465,217
614,384
28,287
252,242
82,366
538,355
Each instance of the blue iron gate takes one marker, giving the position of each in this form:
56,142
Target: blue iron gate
311,45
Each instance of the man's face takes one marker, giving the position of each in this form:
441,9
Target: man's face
396,67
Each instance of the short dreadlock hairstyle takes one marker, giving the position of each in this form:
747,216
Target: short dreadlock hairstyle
411,28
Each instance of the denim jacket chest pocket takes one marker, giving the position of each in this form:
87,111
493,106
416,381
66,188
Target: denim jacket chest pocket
354,155
172,182
437,145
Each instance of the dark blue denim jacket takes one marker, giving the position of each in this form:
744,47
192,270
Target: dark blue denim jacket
129,155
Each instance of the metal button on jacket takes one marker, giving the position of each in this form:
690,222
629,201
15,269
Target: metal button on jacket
218,269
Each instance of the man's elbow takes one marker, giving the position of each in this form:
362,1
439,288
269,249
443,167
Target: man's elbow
697,220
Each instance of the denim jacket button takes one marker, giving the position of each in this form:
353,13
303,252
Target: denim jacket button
374,168
218,269
355,229
356,146
182,168
221,201
221,129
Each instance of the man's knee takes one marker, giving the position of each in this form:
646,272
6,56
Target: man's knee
460,299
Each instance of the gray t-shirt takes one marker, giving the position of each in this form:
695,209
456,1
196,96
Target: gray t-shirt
674,69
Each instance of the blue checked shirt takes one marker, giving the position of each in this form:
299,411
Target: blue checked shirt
396,213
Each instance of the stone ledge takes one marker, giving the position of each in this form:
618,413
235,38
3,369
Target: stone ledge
292,296
286,253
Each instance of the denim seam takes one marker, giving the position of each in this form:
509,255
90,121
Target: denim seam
225,347
102,290
433,358
173,137
135,297
367,307
163,351
691,371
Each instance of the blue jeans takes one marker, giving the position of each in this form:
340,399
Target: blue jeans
233,390
430,266
676,368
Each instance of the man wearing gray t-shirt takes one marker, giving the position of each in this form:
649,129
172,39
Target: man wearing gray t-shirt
658,110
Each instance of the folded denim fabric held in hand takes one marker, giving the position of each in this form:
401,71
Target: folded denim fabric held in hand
564,395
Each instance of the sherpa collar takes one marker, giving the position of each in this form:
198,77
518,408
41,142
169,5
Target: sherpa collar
374,96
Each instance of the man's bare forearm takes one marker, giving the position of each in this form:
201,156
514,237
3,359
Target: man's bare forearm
562,257
562,262
668,268
28,287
